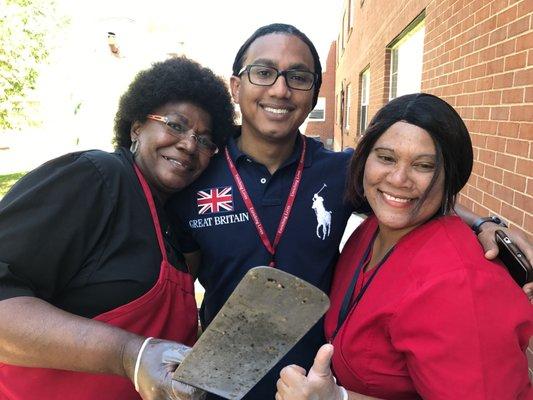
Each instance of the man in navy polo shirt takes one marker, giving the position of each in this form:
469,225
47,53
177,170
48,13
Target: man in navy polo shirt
273,196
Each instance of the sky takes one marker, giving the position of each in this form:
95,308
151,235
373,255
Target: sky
80,84
211,31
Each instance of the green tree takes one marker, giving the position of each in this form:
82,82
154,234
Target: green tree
25,28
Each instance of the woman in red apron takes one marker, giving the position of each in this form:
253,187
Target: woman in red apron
95,299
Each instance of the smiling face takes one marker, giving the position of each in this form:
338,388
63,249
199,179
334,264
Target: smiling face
274,113
397,173
169,163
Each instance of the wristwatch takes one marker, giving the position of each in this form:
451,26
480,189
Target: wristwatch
476,226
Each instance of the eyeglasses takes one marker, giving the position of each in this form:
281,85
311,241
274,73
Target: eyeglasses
179,128
262,75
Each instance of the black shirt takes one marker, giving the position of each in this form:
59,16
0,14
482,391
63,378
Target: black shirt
77,232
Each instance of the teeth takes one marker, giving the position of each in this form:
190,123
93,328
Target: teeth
277,110
175,162
398,199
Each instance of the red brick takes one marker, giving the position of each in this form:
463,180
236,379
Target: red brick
505,48
528,223
470,86
521,113
503,193
513,96
482,14
485,185
498,5
492,98
516,61
475,99
484,83
487,54
524,166
507,16
529,190
519,26
481,42
499,113
482,113
503,80
499,35
524,77
512,214
524,42
492,202
506,162
530,57
488,127
487,156
478,140
526,131
480,210
508,129
496,143
493,173
523,202
514,181
478,168
494,67
518,147
475,194
525,7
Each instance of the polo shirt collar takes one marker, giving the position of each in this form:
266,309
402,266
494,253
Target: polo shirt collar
237,155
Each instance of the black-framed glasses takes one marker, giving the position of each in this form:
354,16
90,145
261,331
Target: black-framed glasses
179,128
262,75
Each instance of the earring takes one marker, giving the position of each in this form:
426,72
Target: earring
134,146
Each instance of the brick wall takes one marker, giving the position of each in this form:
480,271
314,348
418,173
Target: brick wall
324,129
478,55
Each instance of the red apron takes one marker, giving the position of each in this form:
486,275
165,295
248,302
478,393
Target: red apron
167,310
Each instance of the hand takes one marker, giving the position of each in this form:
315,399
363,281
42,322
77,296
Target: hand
319,383
158,362
487,239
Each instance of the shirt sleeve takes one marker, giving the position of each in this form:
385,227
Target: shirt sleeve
50,223
464,335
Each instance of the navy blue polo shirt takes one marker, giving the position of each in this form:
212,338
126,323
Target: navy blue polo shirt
216,221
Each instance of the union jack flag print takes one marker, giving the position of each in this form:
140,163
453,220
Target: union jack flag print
214,200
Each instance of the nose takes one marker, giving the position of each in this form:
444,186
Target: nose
280,88
188,142
399,176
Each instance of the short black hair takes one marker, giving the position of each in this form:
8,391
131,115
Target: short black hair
287,30
177,79
447,130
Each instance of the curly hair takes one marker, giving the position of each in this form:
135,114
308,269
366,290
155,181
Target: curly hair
175,80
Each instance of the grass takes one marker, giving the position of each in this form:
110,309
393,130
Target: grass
6,181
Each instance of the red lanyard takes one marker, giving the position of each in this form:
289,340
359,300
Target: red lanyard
251,209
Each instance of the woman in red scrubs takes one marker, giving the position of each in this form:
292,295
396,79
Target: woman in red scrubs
417,311
89,267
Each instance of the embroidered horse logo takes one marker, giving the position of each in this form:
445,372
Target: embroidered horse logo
323,216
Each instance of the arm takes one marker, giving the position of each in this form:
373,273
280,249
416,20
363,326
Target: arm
319,384
37,334
193,260
466,327
487,232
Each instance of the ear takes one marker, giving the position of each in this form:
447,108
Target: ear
135,130
235,86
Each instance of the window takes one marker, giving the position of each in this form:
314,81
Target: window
365,96
407,54
319,112
347,109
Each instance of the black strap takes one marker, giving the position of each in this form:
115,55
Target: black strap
347,304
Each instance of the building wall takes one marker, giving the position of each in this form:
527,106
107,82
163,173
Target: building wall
478,56
324,129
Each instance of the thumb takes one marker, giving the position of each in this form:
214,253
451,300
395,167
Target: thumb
321,365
